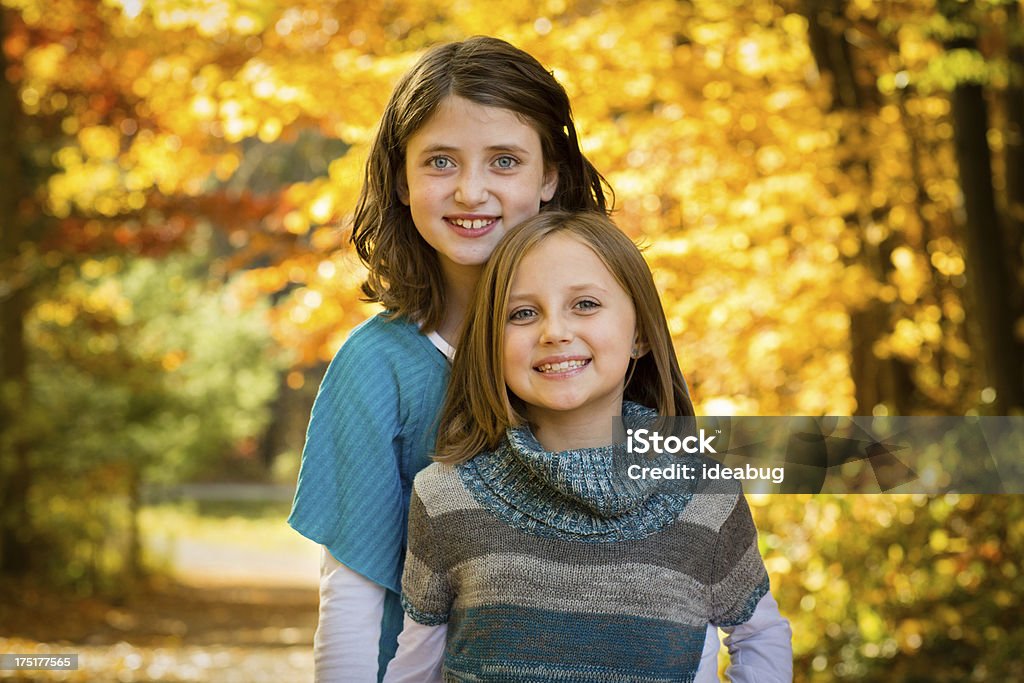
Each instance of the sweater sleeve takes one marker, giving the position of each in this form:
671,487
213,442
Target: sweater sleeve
349,496
426,587
740,578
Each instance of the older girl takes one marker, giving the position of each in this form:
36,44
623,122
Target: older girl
476,137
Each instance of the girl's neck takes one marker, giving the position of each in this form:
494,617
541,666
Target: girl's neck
564,431
459,283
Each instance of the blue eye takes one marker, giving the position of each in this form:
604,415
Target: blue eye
506,162
587,305
521,315
440,163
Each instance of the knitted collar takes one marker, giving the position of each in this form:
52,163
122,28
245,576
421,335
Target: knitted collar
581,495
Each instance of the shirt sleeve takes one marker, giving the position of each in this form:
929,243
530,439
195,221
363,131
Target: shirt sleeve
420,654
347,635
707,670
739,576
761,649
426,587
349,496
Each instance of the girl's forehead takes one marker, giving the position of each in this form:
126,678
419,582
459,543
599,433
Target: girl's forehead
456,113
561,257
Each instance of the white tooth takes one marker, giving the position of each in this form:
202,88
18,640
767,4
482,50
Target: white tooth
471,224
562,366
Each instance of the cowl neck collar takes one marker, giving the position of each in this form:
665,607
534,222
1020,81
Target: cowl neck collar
582,495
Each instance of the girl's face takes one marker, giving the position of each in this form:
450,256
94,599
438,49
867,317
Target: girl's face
569,333
472,173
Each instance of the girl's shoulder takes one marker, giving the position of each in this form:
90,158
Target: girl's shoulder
387,359
712,508
439,486
382,329
382,338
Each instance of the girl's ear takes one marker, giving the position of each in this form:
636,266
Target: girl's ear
402,188
547,190
640,348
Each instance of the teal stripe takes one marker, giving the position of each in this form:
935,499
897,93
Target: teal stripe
504,643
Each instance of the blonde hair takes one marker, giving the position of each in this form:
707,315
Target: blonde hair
478,407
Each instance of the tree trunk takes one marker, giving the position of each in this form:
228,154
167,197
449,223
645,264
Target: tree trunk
876,380
133,563
1014,156
15,469
987,278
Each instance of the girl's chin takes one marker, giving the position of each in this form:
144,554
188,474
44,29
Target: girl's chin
567,409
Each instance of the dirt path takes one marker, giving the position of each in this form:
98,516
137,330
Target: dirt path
178,632
227,615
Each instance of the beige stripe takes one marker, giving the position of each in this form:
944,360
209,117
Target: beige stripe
629,588
709,510
440,488
732,592
426,590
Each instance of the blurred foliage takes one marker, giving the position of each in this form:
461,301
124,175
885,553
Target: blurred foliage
143,373
790,231
145,362
898,588
771,218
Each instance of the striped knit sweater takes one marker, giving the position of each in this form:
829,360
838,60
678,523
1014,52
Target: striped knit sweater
557,567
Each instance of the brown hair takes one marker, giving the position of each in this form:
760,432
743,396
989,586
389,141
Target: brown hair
405,274
478,407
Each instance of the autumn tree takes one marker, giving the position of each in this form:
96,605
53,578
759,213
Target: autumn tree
984,232
792,169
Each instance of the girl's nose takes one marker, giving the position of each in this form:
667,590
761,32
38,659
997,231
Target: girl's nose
471,189
556,330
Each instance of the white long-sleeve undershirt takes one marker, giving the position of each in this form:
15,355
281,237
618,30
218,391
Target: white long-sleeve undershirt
347,640
760,650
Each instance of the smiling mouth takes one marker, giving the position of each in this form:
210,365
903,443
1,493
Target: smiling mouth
564,366
473,223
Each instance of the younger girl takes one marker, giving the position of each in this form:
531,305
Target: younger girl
476,138
545,561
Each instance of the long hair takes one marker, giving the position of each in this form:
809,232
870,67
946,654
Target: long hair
478,407
404,271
